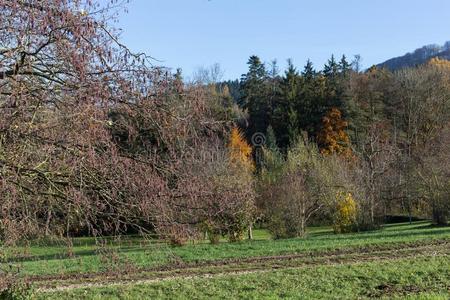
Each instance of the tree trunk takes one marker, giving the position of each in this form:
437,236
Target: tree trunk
250,232
439,216
47,223
303,223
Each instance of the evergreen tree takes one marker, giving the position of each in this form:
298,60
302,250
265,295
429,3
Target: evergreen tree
274,70
285,119
344,66
331,68
308,72
291,82
274,92
252,81
254,95
311,99
271,140
334,85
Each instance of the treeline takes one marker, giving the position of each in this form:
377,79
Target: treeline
96,140
384,137
418,57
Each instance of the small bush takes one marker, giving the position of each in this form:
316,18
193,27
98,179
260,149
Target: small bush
212,231
176,234
277,226
346,212
237,226
12,287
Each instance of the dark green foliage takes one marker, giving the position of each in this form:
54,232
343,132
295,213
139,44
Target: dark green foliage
234,89
331,68
344,66
285,120
296,101
254,95
271,140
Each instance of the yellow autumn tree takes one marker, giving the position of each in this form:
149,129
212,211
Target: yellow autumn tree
345,216
332,137
240,150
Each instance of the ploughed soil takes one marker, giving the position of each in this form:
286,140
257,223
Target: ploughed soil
128,274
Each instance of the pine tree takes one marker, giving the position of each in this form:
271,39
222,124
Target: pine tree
285,116
252,81
311,99
291,82
308,72
331,68
335,84
275,95
344,66
254,86
271,140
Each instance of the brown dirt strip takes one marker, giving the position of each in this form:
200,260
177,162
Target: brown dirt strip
240,266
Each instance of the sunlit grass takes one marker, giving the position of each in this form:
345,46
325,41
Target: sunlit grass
424,278
86,256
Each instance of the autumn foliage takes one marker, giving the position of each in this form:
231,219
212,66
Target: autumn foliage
440,63
346,213
240,150
332,137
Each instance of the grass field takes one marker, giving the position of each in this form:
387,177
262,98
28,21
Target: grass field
399,260
427,278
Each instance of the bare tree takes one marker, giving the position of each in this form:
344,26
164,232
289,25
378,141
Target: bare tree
208,75
377,157
423,110
433,173
94,138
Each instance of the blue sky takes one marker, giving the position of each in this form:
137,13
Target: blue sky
194,33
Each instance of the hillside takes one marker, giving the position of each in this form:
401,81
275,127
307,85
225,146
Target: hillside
418,57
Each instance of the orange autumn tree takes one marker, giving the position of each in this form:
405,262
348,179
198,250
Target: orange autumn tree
332,138
240,150
440,63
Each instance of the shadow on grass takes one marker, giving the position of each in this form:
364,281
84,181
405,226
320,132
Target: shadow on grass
92,241
63,255
321,237
405,224
379,235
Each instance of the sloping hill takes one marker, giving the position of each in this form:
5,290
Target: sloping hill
418,57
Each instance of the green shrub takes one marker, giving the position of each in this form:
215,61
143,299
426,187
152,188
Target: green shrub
12,287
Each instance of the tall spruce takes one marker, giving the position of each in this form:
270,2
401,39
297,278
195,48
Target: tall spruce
285,114
254,95
311,99
344,66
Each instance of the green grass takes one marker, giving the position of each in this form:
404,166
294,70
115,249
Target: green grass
51,258
424,278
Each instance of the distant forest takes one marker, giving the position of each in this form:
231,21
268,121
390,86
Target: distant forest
418,57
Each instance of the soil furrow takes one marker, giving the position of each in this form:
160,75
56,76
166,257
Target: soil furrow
238,267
